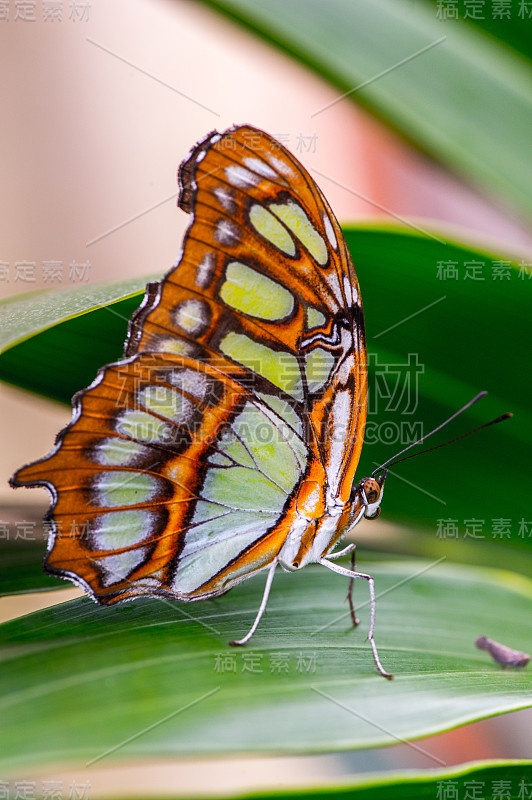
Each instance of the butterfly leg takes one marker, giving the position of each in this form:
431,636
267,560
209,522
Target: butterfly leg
352,575
350,589
262,608
351,548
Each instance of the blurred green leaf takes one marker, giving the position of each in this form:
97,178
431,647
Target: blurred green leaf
155,678
21,568
53,342
464,98
471,339
23,316
510,26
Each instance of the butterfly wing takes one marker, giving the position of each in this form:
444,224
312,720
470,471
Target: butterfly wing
241,400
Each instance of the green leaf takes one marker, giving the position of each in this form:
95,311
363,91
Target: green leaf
45,334
510,27
23,316
464,99
21,568
155,678
471,340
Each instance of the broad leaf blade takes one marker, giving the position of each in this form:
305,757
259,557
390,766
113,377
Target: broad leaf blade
465,335
510,26
147,668
53,343
21,569
24,316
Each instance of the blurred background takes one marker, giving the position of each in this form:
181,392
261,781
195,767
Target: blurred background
101,101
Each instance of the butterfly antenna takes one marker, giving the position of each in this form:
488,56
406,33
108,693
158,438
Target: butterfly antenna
451,441
396,460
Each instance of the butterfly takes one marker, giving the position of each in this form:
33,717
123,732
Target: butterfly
226,440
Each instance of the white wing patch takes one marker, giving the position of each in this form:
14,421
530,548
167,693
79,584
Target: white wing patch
120,488
281,166
142,426
205,270
115,452
226,233
340,421
174,345
225,198
318,367
192,316
240,177
118,529
190,381
116,568
166,403
329,230
259,166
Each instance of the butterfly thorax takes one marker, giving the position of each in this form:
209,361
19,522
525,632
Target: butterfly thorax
322,520
311,539
317,521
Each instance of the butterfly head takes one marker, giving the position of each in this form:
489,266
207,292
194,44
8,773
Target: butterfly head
368,495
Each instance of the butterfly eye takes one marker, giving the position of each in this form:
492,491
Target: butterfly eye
372,490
